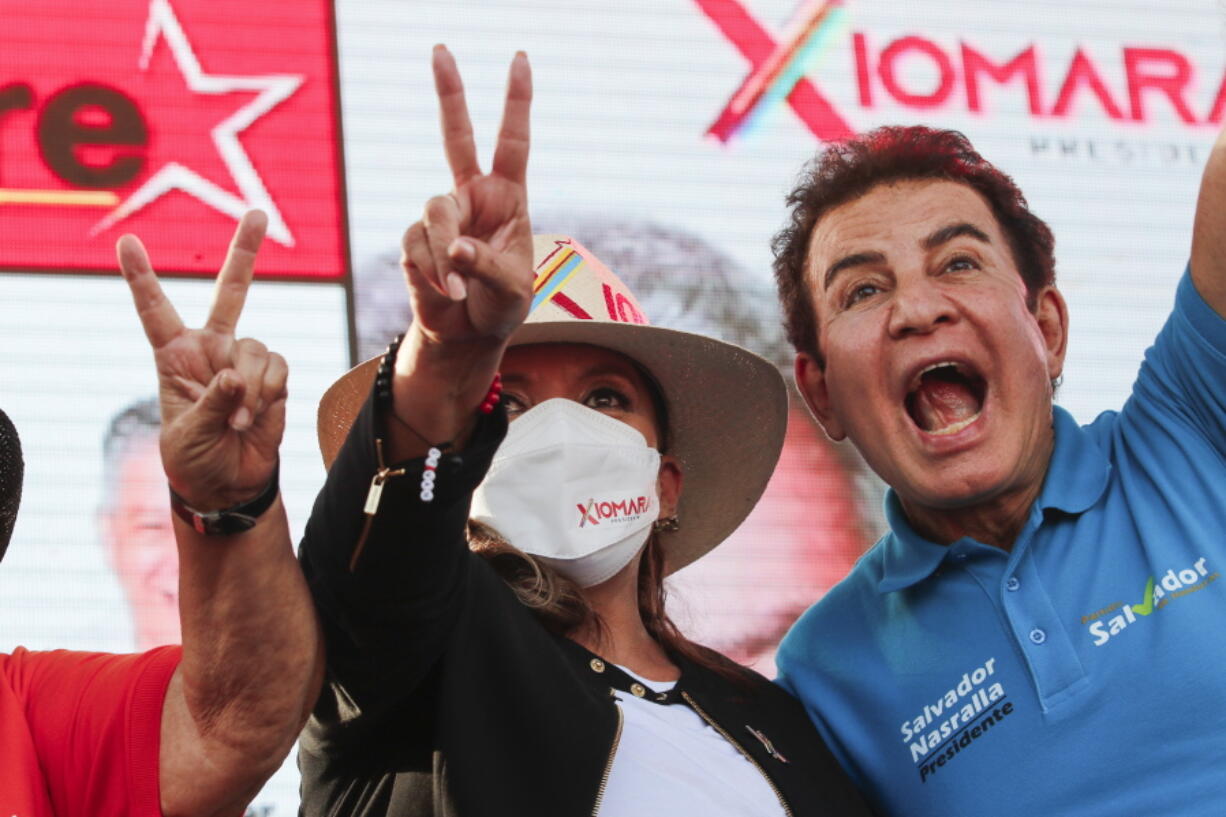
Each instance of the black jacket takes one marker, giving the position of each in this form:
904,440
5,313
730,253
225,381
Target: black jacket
445,696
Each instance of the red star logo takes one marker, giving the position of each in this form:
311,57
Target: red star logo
173,175
169,119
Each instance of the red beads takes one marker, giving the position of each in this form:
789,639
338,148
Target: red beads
493,395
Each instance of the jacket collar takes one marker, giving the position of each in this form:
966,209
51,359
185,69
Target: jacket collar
1077,475
696,679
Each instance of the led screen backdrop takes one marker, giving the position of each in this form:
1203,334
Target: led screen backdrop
665,135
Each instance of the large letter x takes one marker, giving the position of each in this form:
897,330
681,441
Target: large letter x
757,45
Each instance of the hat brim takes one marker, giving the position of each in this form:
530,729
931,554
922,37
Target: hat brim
727,413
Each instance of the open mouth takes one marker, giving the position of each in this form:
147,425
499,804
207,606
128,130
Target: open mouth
946,397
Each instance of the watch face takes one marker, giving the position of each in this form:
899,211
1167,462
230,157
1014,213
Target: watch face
229,521
222,523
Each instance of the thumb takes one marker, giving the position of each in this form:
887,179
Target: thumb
221,399
476,259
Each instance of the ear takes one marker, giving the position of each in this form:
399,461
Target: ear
1051,312
668,484
811,383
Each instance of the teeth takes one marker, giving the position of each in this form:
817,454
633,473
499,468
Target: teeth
954,428
932,367
940,365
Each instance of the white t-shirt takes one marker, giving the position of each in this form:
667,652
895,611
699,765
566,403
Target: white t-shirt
671,762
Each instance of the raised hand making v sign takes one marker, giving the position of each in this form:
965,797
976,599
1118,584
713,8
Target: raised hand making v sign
469,268
252,660
222,399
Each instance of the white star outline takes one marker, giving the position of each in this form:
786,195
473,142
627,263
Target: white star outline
274,89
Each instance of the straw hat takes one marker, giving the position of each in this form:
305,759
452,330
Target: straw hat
727,407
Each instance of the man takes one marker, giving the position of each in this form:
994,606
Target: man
1038,632
196,730
136,525
807,529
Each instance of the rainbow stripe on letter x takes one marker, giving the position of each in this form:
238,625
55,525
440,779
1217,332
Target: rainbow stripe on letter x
779,67
554,274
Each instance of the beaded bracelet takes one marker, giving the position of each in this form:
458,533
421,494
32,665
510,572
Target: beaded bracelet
383,397
383,401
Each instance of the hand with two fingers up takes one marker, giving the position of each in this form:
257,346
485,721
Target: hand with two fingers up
469,259
222,399
468,265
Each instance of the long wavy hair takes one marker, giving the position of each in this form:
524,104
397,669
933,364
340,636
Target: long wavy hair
559,604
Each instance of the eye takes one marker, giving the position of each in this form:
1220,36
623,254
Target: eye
960,263
514,404
858,293
604,398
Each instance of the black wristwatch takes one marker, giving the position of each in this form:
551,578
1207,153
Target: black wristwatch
232,520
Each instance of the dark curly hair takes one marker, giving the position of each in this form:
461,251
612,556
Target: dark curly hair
12,469
847,170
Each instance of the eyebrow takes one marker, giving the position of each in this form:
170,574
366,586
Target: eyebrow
942,236
515,378
848,261
626,371
949,233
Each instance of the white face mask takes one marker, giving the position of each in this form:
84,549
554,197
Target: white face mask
573,487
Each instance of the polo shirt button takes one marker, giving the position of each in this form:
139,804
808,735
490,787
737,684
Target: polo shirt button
638,690
1038,636
1013,584
961,557
597,665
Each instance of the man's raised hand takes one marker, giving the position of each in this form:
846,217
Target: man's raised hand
223,400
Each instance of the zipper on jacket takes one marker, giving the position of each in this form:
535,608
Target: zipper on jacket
702,714
608,766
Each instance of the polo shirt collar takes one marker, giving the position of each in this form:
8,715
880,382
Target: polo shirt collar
1079,469
1076,477
907,558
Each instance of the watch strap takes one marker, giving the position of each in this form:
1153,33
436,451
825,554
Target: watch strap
232,520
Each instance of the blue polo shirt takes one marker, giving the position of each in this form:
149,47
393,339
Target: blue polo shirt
1084,672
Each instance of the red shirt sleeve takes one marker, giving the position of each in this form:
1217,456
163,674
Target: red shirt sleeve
96,720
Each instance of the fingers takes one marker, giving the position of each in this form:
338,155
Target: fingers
271,419
276,376
458,141
221,399
443,221
511,153
157,314
418,263
479,261
239,395
251,360
235,277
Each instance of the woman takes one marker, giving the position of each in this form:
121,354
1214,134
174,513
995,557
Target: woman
494,609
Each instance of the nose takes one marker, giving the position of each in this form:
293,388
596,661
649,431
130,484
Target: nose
919,308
